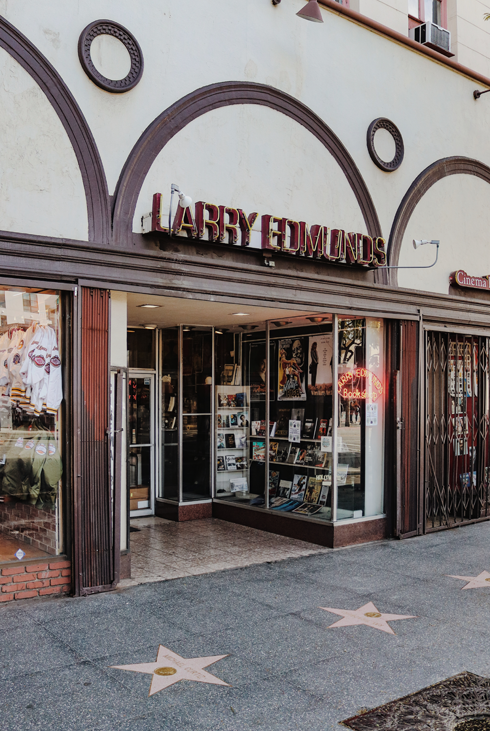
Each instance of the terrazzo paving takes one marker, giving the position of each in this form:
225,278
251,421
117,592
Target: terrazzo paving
284,665
163,549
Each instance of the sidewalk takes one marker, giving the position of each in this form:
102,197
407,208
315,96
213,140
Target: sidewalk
286,668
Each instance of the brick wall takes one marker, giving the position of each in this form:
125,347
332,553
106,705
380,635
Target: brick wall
35,580
36,526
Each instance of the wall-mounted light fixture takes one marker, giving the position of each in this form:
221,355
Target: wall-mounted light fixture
282,323
317,320
249,327
311,11
476,94
416,244
184,200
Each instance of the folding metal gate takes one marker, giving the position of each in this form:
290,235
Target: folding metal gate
457,444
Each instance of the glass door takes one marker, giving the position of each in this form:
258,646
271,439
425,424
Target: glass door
141,418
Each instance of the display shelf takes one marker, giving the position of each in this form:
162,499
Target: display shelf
291,464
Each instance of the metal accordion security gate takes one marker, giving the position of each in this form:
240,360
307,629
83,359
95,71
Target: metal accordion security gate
457,443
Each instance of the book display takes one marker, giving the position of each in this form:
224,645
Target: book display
288,460
232,432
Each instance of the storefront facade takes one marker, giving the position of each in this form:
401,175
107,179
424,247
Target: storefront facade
273,352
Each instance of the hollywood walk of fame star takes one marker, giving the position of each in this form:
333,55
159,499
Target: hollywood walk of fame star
368,614
169,668
474,582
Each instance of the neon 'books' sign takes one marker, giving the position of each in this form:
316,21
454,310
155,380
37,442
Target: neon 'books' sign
349,385
222,224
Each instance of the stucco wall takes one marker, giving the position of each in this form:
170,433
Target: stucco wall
346,74
41,189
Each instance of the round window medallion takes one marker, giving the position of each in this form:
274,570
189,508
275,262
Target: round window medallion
109,28
383,123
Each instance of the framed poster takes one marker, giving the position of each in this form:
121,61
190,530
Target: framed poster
320,365
257,368
292,369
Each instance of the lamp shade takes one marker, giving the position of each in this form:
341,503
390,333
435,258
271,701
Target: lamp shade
311,11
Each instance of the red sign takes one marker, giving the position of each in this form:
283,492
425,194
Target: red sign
463,280
360,384
222,224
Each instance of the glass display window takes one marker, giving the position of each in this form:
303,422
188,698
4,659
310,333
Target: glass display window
300,387
31,398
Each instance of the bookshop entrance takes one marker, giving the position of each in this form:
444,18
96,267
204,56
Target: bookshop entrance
272,412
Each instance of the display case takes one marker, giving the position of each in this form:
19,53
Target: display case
232,441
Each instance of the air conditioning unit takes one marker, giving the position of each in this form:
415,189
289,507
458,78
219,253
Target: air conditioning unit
432,35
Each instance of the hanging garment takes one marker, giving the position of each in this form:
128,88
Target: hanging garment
15,481
54,395
4,345
16,361
52,472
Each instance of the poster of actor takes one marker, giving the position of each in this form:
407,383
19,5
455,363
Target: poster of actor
258,371
292,366
320,365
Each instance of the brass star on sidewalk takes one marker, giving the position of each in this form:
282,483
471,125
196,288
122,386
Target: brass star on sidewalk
368,614
169,668
474,582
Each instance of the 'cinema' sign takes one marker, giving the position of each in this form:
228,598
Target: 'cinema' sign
464,280
222,224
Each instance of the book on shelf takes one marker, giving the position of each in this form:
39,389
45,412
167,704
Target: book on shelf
272,428
298,488
173,422
223,421
284,489
323,428
298,414
292,454
241,463
258,428
221,467
309,428
222,400
278,501
233,421
300,456
324,492
230,462
242,420
273,482
228,374
282,423
241,441
240,400
239,484
237,380
307,509
313,490
171,403
230,441
231,400
273,451
283,451
220,440
258,451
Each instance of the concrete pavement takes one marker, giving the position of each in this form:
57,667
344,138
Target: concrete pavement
285,667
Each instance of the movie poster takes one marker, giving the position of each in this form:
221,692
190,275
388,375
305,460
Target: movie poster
292,369
320,365
257,370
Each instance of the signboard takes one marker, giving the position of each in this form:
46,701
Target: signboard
462,279
233,226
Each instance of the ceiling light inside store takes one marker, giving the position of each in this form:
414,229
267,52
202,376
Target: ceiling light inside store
150,327
149,307
221,331
249,327
240,314
187,328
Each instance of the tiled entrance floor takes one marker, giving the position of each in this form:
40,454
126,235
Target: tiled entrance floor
164,549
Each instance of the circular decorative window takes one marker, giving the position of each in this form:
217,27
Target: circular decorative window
384,124
115,32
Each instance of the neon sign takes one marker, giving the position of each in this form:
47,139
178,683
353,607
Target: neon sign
372,391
